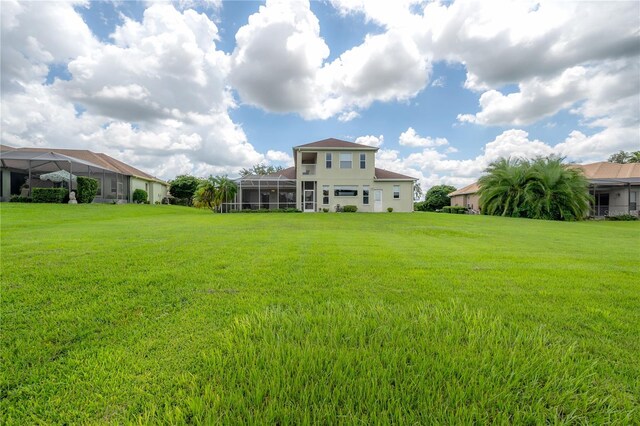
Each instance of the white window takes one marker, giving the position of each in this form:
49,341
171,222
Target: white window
346,160
633,201
396,191
328,160
363,161
365,194
345,191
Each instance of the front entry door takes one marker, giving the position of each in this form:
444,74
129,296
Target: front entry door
309,205
377,200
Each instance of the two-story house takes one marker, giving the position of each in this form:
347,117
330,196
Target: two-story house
328,174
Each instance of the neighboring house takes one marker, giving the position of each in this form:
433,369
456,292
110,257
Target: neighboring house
328,174
467,197
116,180
614,187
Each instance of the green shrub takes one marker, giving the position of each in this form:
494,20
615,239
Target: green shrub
454,209
87,189
326,210
49,195
350,208
139,196
19,199
389,209
420,206
622,217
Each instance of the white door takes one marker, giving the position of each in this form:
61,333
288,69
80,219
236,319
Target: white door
309,205
377,200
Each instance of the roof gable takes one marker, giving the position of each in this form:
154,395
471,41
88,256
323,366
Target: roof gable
336,143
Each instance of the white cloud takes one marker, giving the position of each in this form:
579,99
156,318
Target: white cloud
348,116
156,98
370,140
439,82
280,157
282,40
411,138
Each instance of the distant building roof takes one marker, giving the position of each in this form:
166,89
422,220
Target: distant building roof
288,173
611,171
382,174
100,159
469,189
336,143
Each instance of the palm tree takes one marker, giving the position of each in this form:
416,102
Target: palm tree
205,194
543,188
226,190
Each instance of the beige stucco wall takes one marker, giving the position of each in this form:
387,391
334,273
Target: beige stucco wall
619,199
466,200
155,190
355,176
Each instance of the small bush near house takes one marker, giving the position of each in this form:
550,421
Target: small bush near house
454,209
420,206
326,210
87,189
139,196
389,209
48,195
350,209
19,199
622,217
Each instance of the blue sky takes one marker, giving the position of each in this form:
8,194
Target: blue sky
210,87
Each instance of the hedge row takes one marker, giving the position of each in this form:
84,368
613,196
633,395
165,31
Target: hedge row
454,209
350,209
49,195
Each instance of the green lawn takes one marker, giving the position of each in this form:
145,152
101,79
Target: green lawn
162,314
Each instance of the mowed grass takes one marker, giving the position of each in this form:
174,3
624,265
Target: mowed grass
162,314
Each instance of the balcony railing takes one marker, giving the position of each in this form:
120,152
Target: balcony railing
308,169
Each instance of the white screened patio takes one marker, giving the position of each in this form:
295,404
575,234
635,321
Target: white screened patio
269,192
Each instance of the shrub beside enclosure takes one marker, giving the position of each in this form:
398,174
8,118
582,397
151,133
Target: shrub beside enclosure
87,189
350,208
48,195
139,196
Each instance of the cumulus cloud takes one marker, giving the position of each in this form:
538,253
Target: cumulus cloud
370,140
411,138
348,116
280,157
121,98
282,40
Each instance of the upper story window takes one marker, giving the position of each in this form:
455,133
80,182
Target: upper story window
396,191
346,160
328,157
363,161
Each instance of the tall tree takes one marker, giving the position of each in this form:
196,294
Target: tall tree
417,191
623,157
543,188
437,197
184,186
260,169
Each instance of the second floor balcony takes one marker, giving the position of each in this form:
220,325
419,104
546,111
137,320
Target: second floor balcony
308,169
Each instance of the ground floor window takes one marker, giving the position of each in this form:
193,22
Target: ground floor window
633,200
345,190
325,194
396,191
365,195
